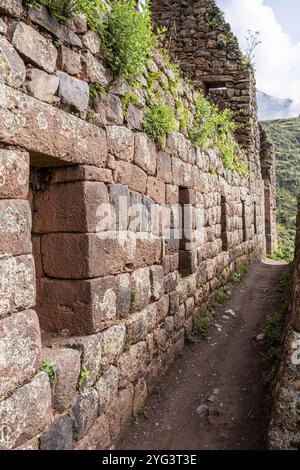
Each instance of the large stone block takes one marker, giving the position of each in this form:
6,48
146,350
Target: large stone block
14,174
131,175
145,153
90,349
93,70
66,364
15,227
141,285
84,413
11,7
107,388
156,189
137,326
109,110
34,47
120,141
84,256
41,85
112,344
132,364
120,413
52,136
74,94
59,436
12,67
17,284
43,17
81,173
81,307
98,437
20,349
25,413
69,207
69,61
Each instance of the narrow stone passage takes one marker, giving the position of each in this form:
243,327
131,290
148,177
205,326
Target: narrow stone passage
224,372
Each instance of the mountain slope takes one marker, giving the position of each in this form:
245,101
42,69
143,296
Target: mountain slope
270,107
285,135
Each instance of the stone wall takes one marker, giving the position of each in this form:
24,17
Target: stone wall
111,313
284,432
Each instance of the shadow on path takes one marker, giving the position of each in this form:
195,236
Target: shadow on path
230,360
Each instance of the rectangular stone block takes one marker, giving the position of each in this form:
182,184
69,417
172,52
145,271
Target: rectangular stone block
66,366
131,175
112,345
81,307
90,351
14,174
25,413
84,256
69,207
53,137
132,364
81,173
20,349
15,227
156,189
17,284
120,142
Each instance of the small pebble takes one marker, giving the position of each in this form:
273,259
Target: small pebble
202,410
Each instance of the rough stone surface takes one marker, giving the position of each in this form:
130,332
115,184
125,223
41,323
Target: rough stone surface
43,18
90,349
12,68
120,413
15,227
41,85
59,436
69,61
66,364
145,153
142,287
73,207
34,48
25,413
17,284
84,413
112,344
11,7
93,70
74,94
14,174
98,437
109,110
107,388
47,132
120,142
20,350
92,42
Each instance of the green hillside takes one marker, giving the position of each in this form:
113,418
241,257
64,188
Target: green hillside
285,135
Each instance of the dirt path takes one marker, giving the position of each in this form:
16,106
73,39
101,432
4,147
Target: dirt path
230,360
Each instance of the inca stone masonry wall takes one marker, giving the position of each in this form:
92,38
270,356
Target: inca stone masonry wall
107,315
284,431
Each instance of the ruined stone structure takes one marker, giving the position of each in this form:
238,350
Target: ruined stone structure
284,432
106,316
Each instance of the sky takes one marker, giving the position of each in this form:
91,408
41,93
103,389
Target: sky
278,56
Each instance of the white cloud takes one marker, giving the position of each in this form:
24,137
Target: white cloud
277,58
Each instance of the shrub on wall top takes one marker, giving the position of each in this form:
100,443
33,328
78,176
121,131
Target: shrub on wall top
128,37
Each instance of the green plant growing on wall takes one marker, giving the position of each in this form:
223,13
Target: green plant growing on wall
128,38
96,90
48,368
129,98
133,298
159,121
65,10
84,375
202,326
